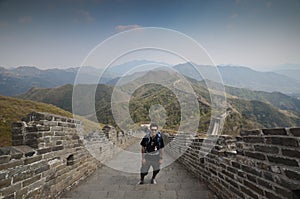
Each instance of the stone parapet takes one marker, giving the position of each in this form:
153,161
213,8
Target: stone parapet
50,154
257,164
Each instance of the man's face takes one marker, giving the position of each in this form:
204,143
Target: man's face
153,131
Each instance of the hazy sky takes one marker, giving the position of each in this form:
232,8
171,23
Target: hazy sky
60,33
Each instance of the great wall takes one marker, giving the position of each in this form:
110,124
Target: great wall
50,156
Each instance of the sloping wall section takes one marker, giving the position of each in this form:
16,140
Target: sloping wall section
48,156
258,164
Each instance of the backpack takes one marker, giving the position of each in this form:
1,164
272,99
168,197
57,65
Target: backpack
158,134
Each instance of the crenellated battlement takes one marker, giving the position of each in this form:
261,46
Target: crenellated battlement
49,155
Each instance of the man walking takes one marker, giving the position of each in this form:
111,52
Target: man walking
152,153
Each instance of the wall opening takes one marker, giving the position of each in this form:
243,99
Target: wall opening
70,160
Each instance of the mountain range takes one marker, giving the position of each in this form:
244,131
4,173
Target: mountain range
247,109
19,80
244,77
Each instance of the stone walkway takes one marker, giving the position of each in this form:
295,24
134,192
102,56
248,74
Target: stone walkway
174,182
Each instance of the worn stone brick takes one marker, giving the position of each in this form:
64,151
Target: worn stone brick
284,161
248,192
251,170
42,169
282,141
25,183
251,178
32,159
50,123
4,159
11,196
232,182
295,131
33,194
22,176
253,139
236,165
236,191
71,125
279,131
263,165
16,155
255,155
57,148
31,136
32,143
286,182
56,128
266,149
268,176
285,193
20,194
5,183
59,133
31,129
47,134
253,132
75,137
43,128
11,164
17,142
264,183
3,175
291,153
43,151
253,187
17,137
228,173
272,195
292,174
232,170
11,189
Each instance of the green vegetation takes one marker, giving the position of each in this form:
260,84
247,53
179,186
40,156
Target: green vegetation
264,114
246,109
13,110
279,100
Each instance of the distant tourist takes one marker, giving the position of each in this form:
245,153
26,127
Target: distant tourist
152,153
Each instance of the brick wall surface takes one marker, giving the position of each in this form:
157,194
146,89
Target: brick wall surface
257,164
49,155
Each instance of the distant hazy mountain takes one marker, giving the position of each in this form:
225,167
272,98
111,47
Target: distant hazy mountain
19,80
133,67
243,77
292,73
15,81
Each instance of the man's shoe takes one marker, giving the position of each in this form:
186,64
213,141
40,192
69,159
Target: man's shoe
141,182
153,181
